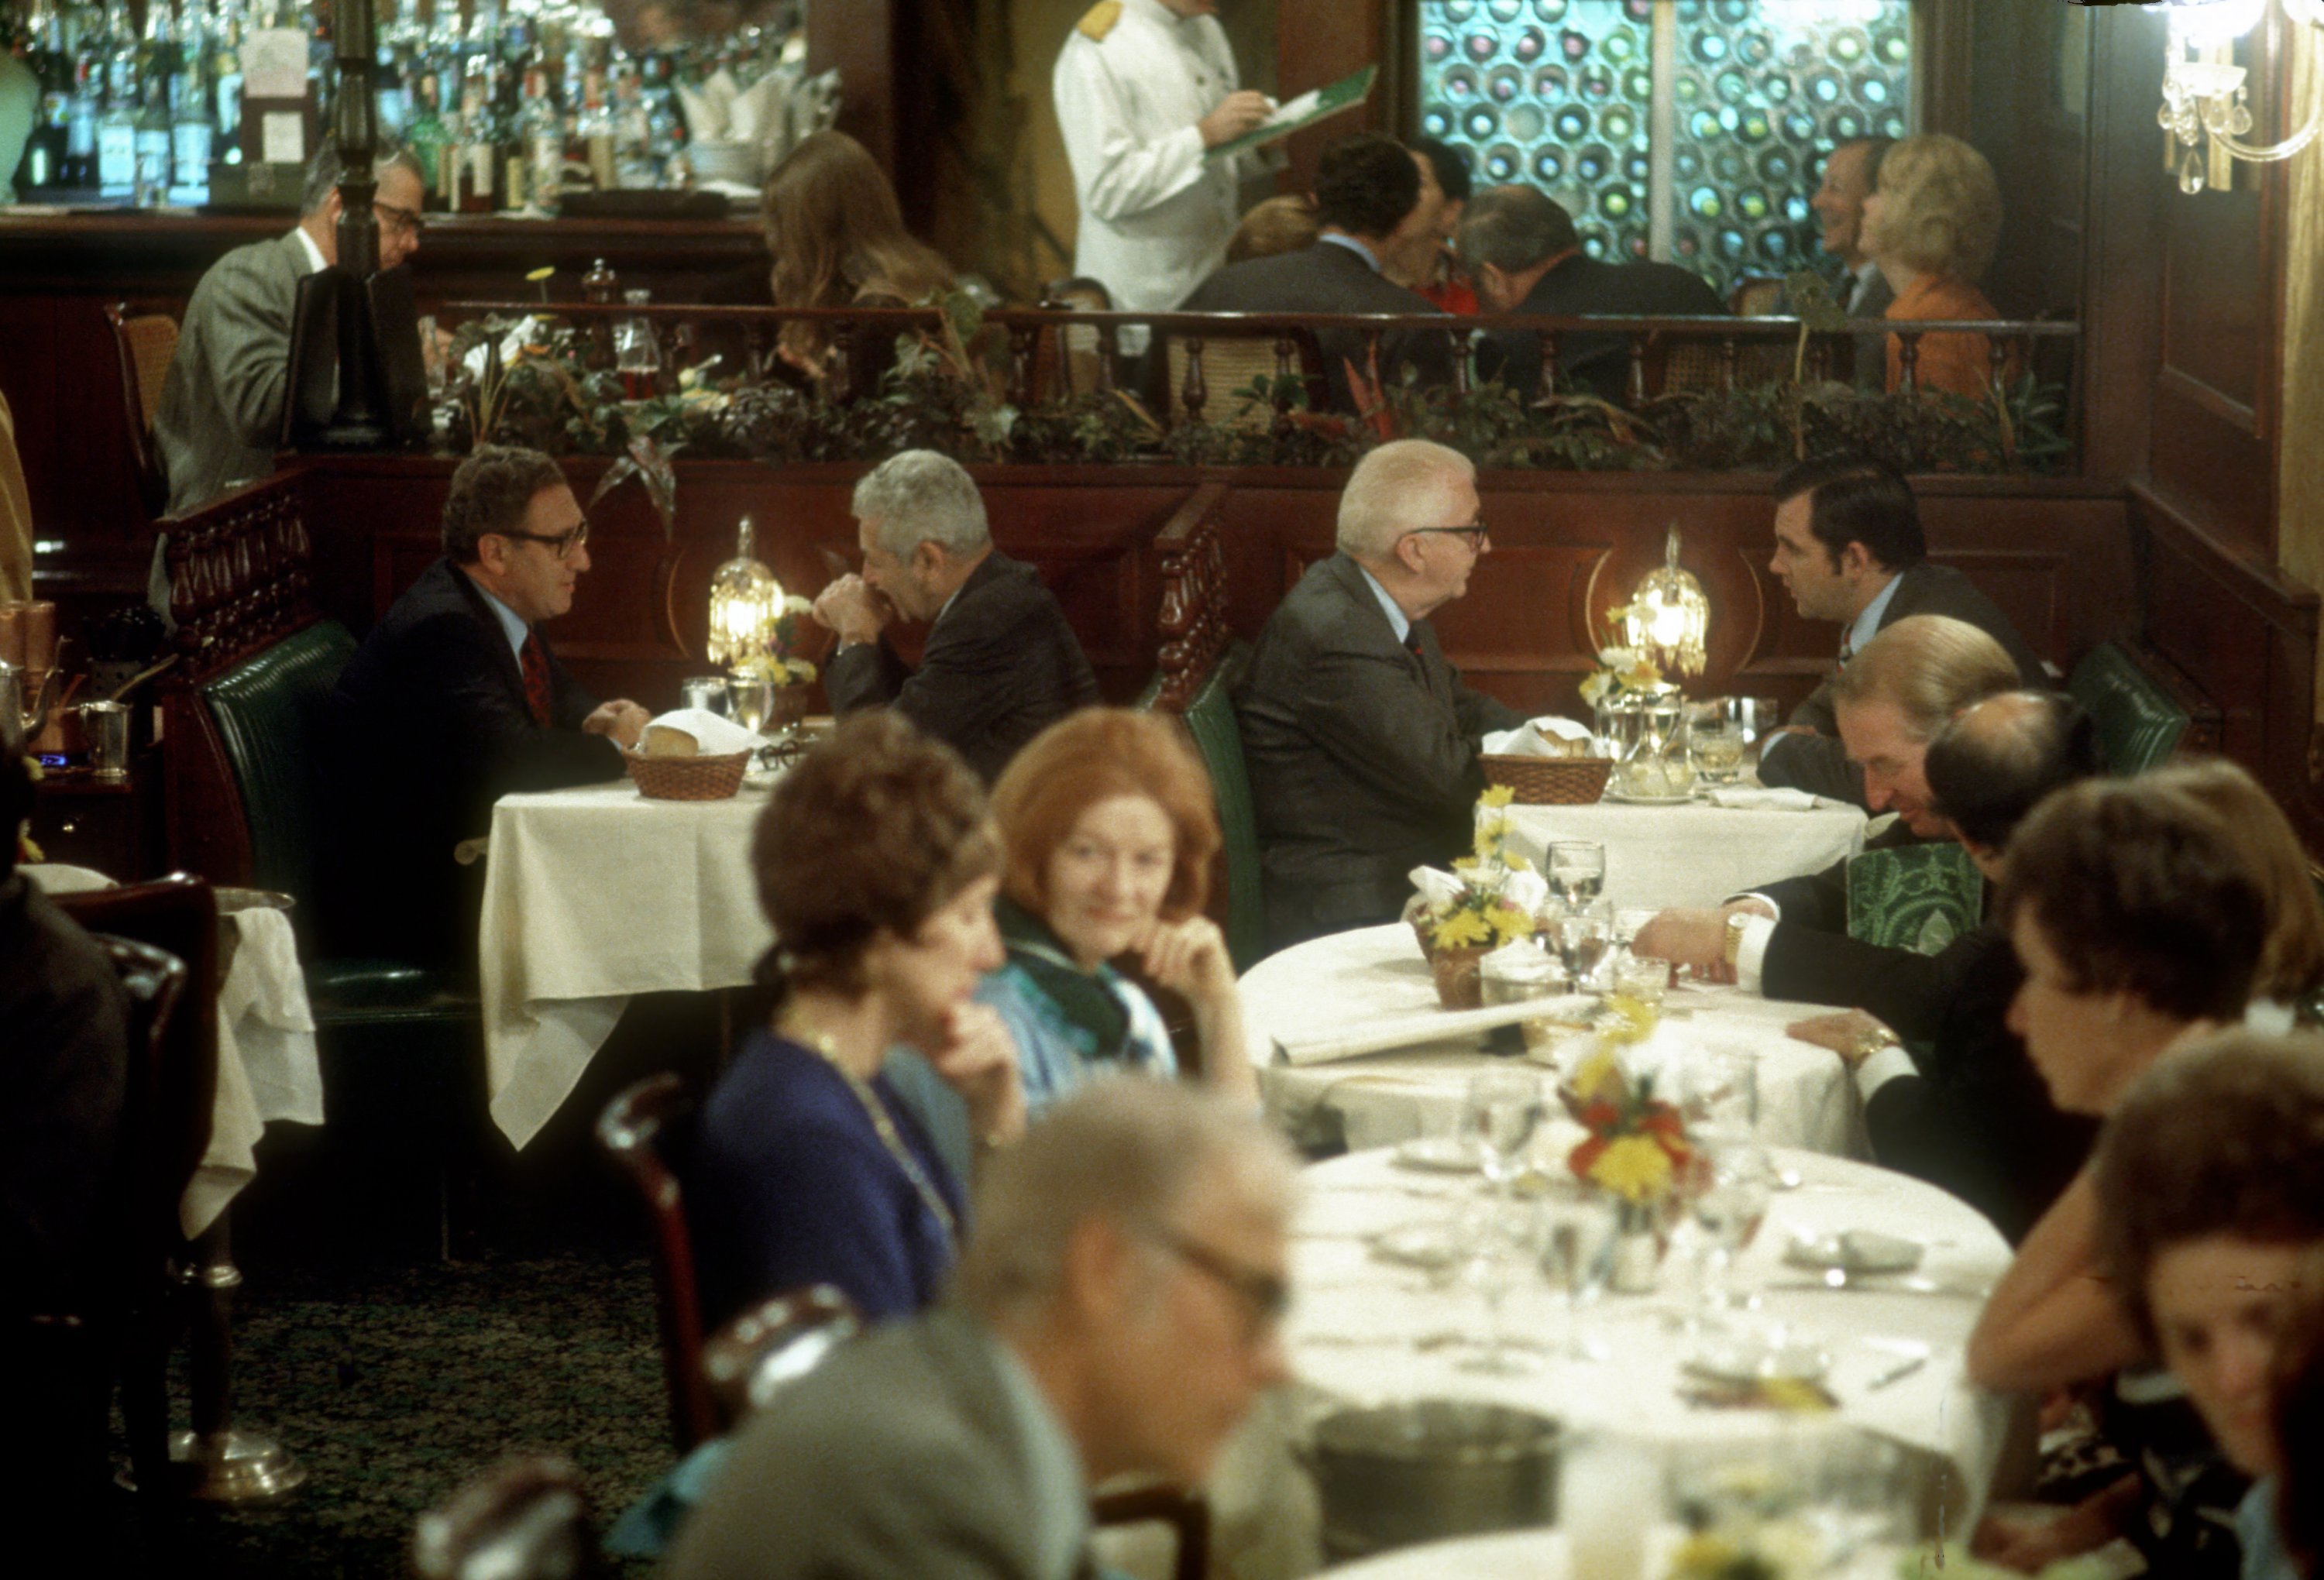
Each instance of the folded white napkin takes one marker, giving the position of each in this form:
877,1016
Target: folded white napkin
1753,798
1436,886
1406,1031
1533,738
715,735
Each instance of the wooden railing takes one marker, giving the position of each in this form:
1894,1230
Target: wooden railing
1037,338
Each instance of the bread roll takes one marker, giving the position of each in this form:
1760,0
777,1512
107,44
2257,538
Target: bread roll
666,740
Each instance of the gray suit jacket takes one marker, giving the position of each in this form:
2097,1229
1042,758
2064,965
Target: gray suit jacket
1819,762
222,407
901,1455
1870,370
1327,278
1362,756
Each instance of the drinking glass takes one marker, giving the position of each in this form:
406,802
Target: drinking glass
1766,718
1716,749
704,691
751,703
1719,1093
1517,977
1608,1487
1729,1202
1577,869
1499,1234
1577,1256
1583,935
1643,978
1502,1109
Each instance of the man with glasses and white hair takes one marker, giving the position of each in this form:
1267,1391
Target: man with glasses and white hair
1115,1312
1361,740
1001,664
452,701
222,406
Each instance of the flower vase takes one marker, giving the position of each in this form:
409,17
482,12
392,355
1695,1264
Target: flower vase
1460,984
1637,1257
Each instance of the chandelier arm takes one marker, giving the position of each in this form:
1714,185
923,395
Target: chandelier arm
2254,153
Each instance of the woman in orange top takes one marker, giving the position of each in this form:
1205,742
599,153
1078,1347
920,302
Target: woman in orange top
1932,224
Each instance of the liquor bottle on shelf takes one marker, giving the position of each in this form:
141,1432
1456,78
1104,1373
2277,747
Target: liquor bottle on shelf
540,136
116,126
52,67
430,142
193,127
476,156
635,167
152,140
592,144
86,103
225,80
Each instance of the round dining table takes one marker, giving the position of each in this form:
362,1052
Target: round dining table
1368,1326
1377,974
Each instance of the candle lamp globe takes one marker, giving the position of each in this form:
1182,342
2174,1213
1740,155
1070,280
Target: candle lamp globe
745,601
1669,615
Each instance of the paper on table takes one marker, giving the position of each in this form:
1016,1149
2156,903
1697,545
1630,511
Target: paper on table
1405,1030
716,736
1748,798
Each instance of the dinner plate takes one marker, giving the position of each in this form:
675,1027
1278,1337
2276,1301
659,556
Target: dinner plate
1448,1154
1431,1245
1856,1250
1628,800
1760,1357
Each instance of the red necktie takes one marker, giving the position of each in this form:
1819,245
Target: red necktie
538,695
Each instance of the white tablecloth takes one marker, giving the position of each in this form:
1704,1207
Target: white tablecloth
1693,854
1356,1329
1805,1097
594,895
1532,1555
267,1066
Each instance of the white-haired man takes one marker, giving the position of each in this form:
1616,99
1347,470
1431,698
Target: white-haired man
1115,1312
1001,664
1361,740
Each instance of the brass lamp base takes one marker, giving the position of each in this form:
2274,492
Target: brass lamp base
233,1467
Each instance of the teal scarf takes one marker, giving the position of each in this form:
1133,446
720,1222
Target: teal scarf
1086,999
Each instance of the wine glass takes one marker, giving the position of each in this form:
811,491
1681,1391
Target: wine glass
1731,1200
1501,1110
751,702
1577,1257
1583,935
1577,870
1499,1235
1719,1094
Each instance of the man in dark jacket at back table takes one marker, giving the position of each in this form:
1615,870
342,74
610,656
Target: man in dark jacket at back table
1524,255
452,701
1849,548
1375,197
1000,665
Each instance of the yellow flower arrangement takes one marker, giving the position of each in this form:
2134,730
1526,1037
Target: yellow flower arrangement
1635,1168
1483,915
1619,669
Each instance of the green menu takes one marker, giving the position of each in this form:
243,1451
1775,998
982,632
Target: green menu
1298,113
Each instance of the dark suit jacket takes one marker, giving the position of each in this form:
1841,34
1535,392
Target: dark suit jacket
1327,278
428,728
1976,1119
900,1457
1820,763
1595,364
1000,666
1362,756
222,404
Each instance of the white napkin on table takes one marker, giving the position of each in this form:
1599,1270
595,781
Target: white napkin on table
1755,798
716,736
1534,738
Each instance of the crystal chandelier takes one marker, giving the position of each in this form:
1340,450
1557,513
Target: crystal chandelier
2206,103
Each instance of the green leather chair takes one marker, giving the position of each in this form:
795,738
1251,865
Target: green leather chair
1919,898
1210,719
2139,723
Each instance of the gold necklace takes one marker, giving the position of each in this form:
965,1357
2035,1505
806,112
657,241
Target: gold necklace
883,1124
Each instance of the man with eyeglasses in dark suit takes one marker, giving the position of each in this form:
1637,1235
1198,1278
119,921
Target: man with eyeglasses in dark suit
454,701
1361,741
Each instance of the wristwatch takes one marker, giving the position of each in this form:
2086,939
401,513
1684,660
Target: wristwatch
1731,948
1871,1040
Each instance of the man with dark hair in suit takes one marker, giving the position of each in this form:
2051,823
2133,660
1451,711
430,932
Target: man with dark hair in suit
454,701
1375,197
1964,1108
1850,170
1115,1311
1360,739
1001,664
1524,255
222,406
1849,550
64,1069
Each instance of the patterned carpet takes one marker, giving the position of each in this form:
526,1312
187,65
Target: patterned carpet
394,1386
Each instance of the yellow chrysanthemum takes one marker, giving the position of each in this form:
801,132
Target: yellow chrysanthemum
1509,924
1635,1168
1462,929
1601,1076
1498,795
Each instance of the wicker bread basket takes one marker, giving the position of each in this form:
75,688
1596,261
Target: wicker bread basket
687,778
1541,781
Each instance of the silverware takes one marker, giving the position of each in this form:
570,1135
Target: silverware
1898,1372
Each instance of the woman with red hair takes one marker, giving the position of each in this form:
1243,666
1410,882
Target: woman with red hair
1110,827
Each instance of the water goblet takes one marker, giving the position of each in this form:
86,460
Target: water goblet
1501,1110
1577,869
1583,936
1719,1093
1577,1257
1728,1203
1501,1234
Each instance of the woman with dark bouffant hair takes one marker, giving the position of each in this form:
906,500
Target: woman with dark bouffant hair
876,864
2291,962
1109,829
838,240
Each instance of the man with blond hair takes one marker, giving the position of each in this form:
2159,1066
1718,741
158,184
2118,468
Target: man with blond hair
1115,1312
1361,741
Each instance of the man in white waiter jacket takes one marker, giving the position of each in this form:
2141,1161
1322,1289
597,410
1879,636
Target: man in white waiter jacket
1144,88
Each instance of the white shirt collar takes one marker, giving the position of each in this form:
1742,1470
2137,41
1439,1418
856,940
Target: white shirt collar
315,263
1395,615
1868,624
1355,246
